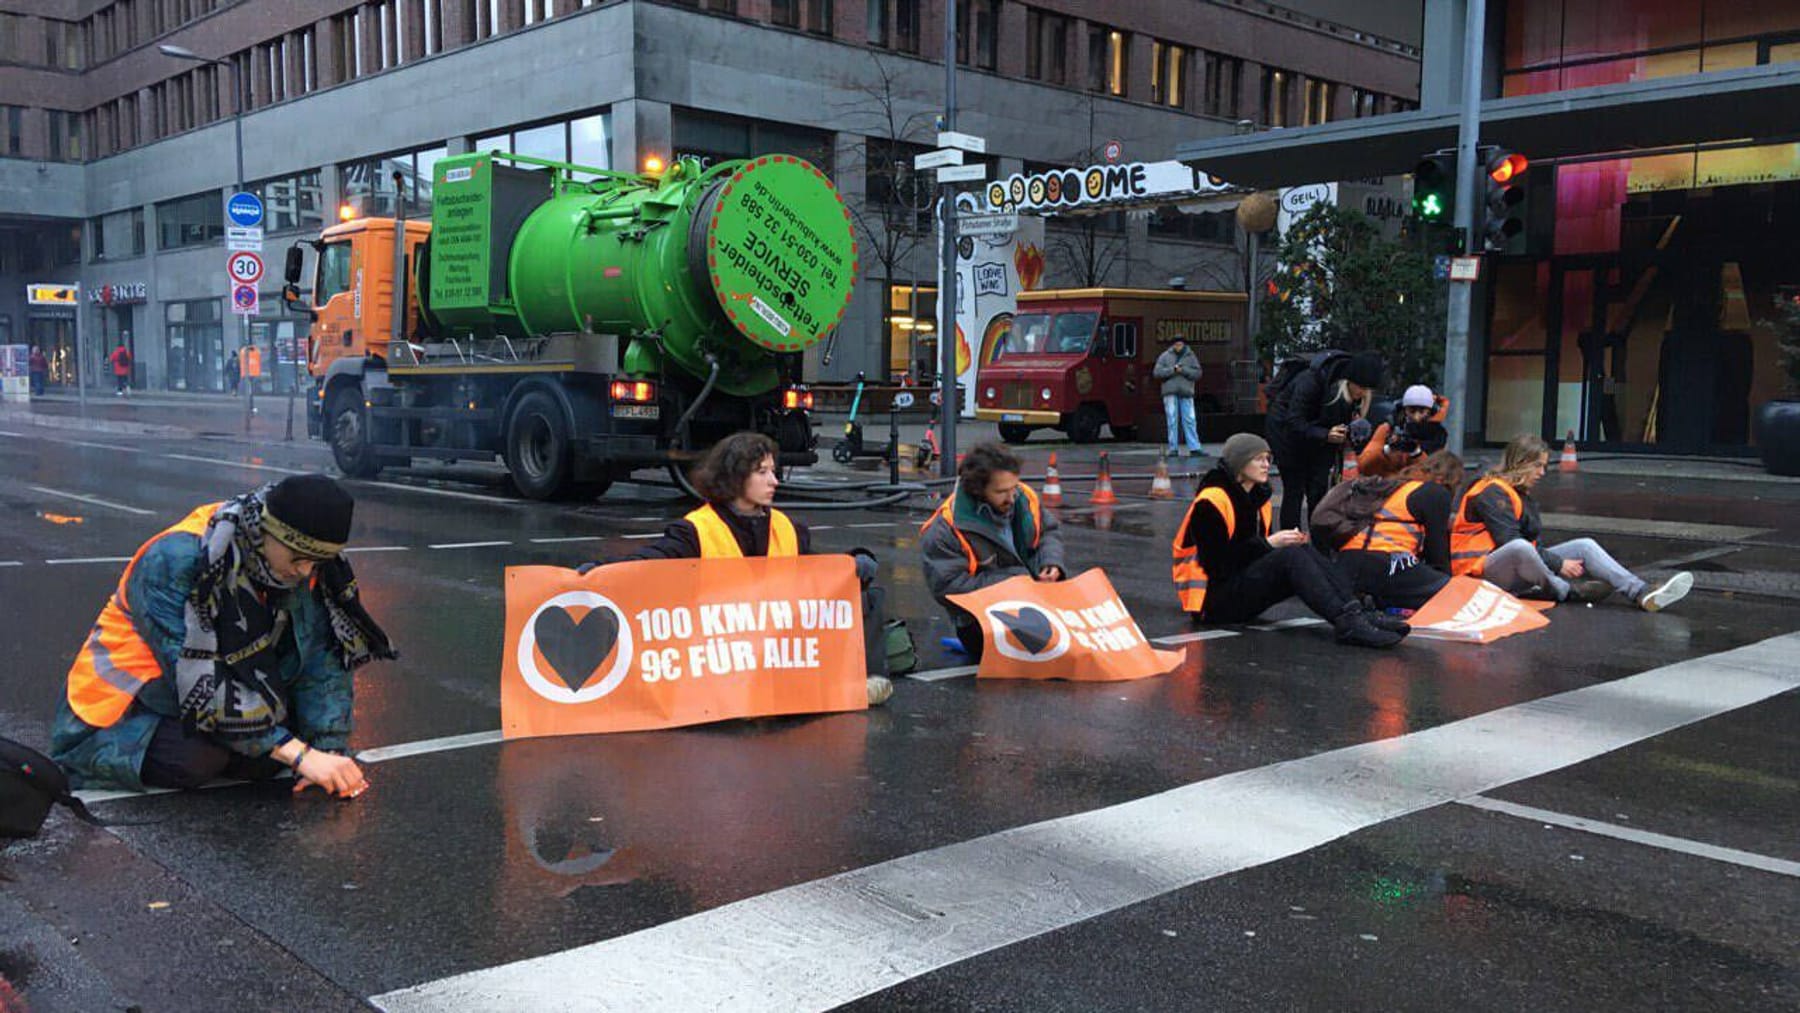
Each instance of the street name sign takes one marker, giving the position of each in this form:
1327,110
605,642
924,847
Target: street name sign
987,225
967,142
962,173
938,159
248,239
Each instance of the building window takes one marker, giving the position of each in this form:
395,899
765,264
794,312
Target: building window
65,136
15,129
368,184
1047,46
1320,97
292,202
195,340
1363,102
715,138
1106,59
1224,78
1275,96
785,13
118,235
1168,74
1205,227
190,221
878,22
978,20
583,141
819,16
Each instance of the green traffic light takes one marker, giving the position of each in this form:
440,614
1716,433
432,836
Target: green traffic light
1430,205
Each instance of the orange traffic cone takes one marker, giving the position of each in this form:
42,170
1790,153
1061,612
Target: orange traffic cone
1351,470
1568,462
1052,495
1103,490
1160,486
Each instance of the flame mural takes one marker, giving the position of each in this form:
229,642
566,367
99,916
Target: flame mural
1028,261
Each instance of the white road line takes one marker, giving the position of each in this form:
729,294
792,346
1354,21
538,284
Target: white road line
404,487
820,527
940,674
8,432
89,559
378,548
646,520
821,944
10,562
420,748
576,538
95,500
234,464
100,446
467,545
649,534
873,524
1188,638
1289,624
1748,859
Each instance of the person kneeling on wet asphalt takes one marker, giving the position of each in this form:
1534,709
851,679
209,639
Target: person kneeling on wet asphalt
226,651
1229,569
738,520
1495,537
991,528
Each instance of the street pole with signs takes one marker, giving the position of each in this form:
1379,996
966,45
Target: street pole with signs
950,408
1456,331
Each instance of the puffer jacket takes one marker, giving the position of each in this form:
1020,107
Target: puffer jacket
1178,373
947,565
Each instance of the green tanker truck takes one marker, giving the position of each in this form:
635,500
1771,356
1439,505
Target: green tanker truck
575,323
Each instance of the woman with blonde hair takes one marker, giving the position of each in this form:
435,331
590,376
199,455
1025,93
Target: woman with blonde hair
1496,533
1402,557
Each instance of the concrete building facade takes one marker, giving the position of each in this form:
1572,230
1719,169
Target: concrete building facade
115,157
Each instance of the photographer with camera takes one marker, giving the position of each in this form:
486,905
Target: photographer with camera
1417,432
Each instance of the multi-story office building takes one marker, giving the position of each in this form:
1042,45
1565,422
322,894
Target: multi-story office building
114,156
1664,205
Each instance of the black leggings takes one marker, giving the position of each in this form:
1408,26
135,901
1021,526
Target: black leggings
1275,577
1394,580
178,758
1305,478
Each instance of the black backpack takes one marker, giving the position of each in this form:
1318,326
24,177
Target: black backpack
1287,371
30,783
1349,509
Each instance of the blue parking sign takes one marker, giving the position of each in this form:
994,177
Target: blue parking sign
244,209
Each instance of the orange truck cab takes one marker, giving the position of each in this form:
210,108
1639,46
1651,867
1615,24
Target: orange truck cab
1078,360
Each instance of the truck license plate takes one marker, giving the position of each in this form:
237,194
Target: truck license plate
1011,417
636,411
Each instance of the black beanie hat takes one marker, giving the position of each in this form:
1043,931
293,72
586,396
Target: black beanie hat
309,514
1365,369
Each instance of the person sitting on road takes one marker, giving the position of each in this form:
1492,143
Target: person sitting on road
1496,532
991,528
738,520
226,650
1229,569
1417,432
1402,557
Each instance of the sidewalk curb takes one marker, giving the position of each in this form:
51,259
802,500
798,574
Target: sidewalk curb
14,416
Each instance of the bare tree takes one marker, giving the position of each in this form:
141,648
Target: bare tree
892,218
1085,249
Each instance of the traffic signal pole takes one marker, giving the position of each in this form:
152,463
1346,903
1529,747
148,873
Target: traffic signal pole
1456,331
951,408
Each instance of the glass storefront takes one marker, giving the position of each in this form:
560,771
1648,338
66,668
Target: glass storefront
194,345
912,332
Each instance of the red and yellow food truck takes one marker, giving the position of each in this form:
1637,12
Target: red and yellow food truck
1081,359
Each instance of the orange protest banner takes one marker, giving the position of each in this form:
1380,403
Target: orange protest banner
1475,611
1075,629
664,643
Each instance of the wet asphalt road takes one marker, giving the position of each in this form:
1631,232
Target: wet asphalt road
464,859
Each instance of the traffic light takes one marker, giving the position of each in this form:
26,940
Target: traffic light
1434,187
1505,184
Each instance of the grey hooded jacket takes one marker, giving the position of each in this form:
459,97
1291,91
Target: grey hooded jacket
1178,373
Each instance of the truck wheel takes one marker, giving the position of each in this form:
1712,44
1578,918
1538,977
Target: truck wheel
347,427
538,447
1013,432
1085,424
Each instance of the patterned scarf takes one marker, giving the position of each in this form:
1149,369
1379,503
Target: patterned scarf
221,689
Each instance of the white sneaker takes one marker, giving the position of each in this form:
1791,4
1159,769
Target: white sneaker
880,688
1667,593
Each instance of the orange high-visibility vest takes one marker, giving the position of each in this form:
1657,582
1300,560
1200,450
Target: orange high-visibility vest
1190,576
1470,541
946,512
1395,528
115,663
717,541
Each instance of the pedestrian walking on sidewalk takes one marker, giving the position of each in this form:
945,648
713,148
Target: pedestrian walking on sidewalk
39,368
121,367
1179,370
233,371
1228,568
1496,533
226,650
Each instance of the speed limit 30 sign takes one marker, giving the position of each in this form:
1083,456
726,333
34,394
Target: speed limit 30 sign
244,268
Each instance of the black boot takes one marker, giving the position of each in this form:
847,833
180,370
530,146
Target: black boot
1354,628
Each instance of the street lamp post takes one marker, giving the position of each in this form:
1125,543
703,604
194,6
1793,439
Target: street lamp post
237,129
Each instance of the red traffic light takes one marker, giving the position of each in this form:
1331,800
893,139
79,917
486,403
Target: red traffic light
1508,167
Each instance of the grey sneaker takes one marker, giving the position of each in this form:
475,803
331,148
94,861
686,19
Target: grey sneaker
1667,593
880,688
